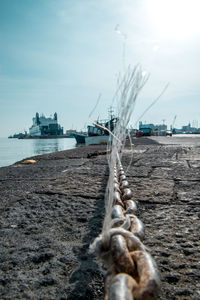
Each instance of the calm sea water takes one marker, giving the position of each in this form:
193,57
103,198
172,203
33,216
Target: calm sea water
13,150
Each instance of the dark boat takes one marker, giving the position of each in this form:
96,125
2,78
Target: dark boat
80,138
98,130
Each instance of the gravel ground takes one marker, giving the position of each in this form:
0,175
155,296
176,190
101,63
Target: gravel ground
52,210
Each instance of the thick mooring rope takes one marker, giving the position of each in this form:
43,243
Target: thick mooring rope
131,271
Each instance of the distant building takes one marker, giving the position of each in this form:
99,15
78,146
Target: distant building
161,127
70,132
186,129
43,126
141,125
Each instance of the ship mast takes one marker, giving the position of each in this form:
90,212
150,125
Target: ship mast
111,113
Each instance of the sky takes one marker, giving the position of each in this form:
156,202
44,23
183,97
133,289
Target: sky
62,55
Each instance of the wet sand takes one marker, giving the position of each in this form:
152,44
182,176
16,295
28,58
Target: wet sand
52,210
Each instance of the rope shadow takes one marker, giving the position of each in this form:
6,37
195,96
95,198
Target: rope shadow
88,278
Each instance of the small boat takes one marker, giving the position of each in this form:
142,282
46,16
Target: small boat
98,133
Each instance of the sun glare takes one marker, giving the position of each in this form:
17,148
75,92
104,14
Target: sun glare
177,19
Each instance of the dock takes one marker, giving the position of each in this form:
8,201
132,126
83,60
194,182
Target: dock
53,209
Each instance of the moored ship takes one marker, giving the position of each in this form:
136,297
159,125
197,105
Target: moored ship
97,134
43,126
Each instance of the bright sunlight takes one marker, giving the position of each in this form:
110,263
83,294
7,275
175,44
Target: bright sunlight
177,19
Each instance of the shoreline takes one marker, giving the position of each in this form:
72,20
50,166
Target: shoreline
42,137
13,150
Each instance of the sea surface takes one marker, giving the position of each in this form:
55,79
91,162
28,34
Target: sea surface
13,150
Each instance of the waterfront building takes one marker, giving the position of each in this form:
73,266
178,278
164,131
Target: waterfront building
70,133
158,129
43,126
187,129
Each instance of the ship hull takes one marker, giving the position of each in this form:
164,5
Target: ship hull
80,138
96,140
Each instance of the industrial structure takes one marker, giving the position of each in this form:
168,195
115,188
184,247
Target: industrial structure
151,129
43,126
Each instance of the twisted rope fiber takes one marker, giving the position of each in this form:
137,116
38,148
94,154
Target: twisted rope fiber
131,271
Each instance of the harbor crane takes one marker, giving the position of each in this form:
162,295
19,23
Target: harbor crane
172,126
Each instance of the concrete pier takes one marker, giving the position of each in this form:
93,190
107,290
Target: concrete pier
53,209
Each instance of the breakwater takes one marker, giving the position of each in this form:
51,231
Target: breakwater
52,210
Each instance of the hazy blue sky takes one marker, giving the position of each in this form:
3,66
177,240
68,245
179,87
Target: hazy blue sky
58,55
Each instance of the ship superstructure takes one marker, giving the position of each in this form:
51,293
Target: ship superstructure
43,126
